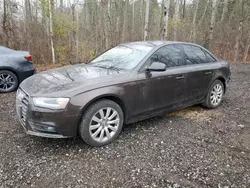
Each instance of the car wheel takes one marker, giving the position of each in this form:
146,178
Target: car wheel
8,81
215,95
101,123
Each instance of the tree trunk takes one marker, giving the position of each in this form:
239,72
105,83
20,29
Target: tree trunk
247,49
5,9
212,23
133,9
225,9
107,14
166,18
51,32
77,33
44,18
27,21
184,9
124,23
73,7
117,24
193,29
239,33
204,13
176,18
146,20
61,5
237,43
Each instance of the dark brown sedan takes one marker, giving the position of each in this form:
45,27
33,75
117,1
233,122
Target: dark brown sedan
127,83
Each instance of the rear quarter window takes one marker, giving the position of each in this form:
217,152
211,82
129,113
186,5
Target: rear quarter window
194,55
210,57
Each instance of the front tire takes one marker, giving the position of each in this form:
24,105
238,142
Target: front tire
8,81
215,95
101,123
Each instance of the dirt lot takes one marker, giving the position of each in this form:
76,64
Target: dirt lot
194,147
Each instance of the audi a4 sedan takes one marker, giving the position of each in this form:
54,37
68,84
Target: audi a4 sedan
15,66
128,83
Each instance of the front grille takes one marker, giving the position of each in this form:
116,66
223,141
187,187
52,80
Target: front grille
24,109
22,102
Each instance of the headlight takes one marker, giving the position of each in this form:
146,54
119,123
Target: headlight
51,103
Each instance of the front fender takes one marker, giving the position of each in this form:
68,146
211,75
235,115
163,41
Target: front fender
84,100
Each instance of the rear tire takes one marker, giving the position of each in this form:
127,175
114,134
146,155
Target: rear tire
215,95
8,81
101,123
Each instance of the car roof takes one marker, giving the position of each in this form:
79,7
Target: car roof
155,43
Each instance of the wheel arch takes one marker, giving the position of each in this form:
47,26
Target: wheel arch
111,97
223,80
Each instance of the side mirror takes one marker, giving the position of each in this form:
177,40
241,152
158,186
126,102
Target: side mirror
157,66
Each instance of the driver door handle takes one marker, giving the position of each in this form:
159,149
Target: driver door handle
208,72
180,77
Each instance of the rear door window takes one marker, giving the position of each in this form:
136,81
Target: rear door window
170,55
194,55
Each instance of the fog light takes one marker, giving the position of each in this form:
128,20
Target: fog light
43,127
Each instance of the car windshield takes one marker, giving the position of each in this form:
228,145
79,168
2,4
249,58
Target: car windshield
121,57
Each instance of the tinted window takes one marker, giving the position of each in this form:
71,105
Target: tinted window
122,57
170,55
194,55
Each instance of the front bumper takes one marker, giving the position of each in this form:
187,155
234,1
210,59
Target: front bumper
46,135
44,122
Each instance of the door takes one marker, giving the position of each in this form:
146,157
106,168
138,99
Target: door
163,90
200,73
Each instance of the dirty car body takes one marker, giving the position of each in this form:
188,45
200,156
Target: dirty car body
139,92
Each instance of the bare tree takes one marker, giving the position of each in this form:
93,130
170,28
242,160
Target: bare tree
124,26
61,4
5,17
212,23
133,13
146,20
225,9
77,32
176,17
183,9
51,32
239,33
204,12
193,29
166,18
247,49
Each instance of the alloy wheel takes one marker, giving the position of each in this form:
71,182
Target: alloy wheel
104,124
216,95
7,82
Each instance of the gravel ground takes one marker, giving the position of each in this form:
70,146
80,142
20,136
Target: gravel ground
193,147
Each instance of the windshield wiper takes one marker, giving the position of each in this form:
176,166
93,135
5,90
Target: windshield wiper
115,68
99,66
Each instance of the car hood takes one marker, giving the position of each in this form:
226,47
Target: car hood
71,80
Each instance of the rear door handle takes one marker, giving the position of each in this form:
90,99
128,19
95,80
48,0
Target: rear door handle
179,77
209,72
